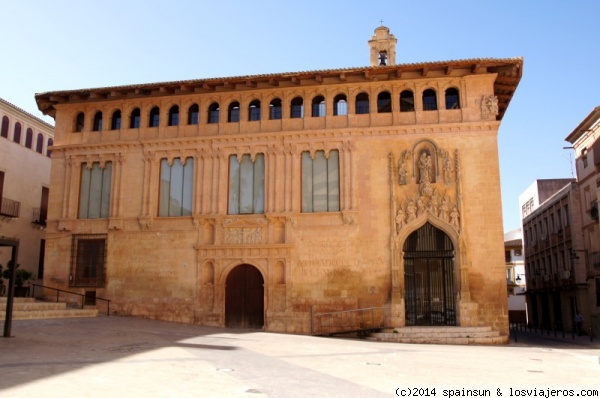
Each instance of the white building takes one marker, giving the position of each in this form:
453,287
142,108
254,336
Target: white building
515,275
25,142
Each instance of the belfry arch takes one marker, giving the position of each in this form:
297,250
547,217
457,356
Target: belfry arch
429,278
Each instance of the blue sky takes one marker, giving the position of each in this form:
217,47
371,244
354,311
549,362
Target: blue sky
72,44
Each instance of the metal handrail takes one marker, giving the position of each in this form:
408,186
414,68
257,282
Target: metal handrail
58,291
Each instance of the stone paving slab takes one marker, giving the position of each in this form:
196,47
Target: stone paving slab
129,357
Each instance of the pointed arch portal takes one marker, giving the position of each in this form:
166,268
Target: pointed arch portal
429,278
244,298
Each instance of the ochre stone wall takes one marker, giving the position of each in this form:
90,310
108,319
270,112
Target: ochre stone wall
176,268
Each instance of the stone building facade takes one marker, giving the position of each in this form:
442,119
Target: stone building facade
585,140
255,201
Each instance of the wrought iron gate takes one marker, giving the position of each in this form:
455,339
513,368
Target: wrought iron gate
429,278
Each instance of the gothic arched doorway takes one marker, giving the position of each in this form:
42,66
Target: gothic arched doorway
429,278
244,298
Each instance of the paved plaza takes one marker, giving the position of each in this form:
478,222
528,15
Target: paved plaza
129,357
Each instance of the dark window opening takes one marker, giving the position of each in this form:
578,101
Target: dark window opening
452,100
384,102
213,113
174,116
429,100
254,110
233,113
275,109
340,105
79,122
383,58
318,106
98,121
116,120
154,117
48,150
17,133
88,261
407,101
135,119
29,138
193,114
362,104
297,108
39,148
5,123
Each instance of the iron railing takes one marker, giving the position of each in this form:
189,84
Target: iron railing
83,296
10,208
39,216
348,321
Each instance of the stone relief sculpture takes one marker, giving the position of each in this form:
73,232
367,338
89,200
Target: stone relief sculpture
489,106
403,168
424,196
400,220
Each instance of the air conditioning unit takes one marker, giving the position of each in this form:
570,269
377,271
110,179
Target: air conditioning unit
565,275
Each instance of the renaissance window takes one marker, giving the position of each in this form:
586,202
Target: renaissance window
340,105
233,114
407,101
193,114
98,121
94,197
213,113
362,104
384,102
135,119
254,111
176,187
154,117
116,120
452,101
48,146
275,109
79,122
88,261
429,100
246,184
318,106
320,182
297,108
174,116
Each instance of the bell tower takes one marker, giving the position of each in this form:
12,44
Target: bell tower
383,47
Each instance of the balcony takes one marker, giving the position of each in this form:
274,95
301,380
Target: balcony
39,217
10,208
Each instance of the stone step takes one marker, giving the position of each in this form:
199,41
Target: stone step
441,335
443,332
48,314
29,308
492,340
18,300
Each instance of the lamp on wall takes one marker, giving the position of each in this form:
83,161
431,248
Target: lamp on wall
518,278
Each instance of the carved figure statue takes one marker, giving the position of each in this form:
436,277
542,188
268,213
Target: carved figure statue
402,172
411,209
420,206
489,106
425,168
443,214
399,220
454,217
447,170
434,203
